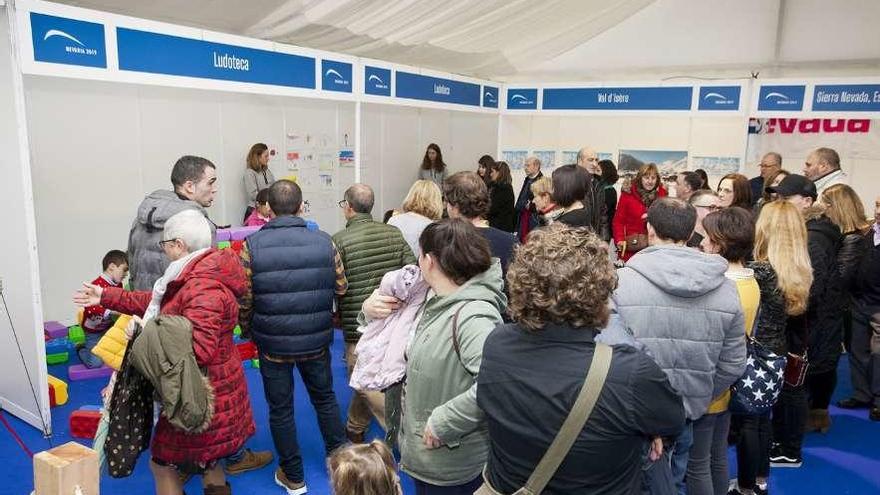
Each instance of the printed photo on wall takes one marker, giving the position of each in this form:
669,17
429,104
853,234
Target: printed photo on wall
668,162
716,165
569,157
548,158
326,181
515,159
346,158
294,160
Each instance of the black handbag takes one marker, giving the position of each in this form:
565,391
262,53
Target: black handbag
131,417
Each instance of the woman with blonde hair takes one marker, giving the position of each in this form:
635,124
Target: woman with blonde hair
630,225
423,204
257,176
548,211
364,469
782,268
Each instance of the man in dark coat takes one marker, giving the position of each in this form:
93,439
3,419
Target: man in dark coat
526,215
770,164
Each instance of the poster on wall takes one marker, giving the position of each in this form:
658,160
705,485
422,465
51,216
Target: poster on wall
346,158
668,162
569,157
515,159
716,165
857,141
294,160
547,158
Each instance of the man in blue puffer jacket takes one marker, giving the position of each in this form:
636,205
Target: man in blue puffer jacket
678,303
295,274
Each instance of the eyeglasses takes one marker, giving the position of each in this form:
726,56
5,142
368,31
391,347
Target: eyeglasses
163,243
342,203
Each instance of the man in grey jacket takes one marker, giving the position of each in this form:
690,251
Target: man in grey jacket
195,182
678,303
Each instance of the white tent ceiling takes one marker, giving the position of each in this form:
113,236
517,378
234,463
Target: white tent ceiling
557,40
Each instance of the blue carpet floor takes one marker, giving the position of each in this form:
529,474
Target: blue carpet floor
845,461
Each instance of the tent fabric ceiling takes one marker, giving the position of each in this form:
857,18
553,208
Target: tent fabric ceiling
556,40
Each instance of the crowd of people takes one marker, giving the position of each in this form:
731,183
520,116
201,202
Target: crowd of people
565,340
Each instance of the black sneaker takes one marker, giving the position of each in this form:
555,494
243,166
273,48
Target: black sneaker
874,415
784,460
853,403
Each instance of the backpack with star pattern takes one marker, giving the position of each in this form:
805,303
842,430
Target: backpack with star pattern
756,391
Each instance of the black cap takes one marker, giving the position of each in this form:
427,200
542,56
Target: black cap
795,184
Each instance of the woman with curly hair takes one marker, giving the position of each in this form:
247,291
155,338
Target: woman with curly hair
533,370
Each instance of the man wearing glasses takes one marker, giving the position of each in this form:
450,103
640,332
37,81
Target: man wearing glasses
705,201
770,164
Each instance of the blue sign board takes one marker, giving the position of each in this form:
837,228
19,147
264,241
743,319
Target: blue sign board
847,97
490,97
785,98
142,51
522,99
336,76
377,81
719,98
418,87
60,40
671,98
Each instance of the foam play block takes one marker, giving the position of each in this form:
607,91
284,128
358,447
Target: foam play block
246,350
256,363
58,358
240,233
76,335
84,424
223,235
236,330
57,391
65,470
224,245
79,372
54,329
236,246
90,407
248,364
56,346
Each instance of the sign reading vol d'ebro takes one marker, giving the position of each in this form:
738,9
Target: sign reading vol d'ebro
155,53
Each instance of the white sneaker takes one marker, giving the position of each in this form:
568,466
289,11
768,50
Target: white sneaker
291,487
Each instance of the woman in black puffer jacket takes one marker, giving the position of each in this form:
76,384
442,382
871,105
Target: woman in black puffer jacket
782,270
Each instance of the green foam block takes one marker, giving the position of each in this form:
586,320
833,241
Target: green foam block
58,358
236,330
224,245
76,335
256,363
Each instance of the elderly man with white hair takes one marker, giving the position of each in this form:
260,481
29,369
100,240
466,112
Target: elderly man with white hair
201,284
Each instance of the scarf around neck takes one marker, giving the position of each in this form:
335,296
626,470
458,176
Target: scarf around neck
171,273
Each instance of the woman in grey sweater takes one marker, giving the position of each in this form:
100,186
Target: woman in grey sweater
257,176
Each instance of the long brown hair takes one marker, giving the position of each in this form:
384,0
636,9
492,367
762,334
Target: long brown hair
645,195
765,195
845,209
503,173
253,157
438,164
781,239
742,191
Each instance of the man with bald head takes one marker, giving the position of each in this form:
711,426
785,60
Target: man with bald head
595,200
823,168
369,249
770,164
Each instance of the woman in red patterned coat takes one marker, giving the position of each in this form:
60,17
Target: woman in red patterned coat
202,284
630,219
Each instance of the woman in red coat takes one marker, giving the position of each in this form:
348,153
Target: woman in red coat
202,284
631,216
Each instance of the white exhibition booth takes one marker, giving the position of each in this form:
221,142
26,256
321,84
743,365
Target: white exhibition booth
96,107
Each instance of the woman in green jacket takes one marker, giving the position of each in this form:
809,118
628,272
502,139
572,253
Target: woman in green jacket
443,439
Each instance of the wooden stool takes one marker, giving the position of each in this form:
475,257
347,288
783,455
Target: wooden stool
64,469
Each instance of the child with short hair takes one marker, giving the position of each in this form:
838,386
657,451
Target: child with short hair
262,213
364,469
97,319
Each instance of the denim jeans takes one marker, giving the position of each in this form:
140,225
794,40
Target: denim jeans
278,388
680,453
707,465
85,355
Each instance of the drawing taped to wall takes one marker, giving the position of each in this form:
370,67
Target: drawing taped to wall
716,165
515,159
547,158
346,158
668,162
